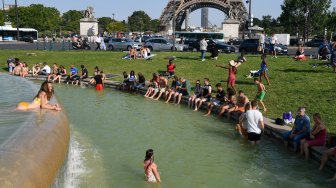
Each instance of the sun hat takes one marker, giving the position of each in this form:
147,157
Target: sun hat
232,63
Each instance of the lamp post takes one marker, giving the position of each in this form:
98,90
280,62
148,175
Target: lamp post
3,10
113,24
250,15
17,21
174,26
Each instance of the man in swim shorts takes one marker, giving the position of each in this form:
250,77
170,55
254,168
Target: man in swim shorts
255,123
261,93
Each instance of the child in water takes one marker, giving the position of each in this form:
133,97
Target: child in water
151,171
41,99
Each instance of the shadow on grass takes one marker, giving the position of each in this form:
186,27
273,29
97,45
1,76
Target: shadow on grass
189,58
304,70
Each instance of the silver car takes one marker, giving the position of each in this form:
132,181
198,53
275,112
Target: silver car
161,44
122,44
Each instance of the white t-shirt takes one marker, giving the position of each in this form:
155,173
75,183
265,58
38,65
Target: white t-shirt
253,117
273,40
98,40
262,38
47,69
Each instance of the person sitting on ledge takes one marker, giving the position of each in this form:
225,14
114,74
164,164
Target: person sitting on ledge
73,76
197,94
41,99
184,90
206,95
141,82
326,154
62,74
300,55
151,87
317,136
163,83
175,88
218,100
241,127
229,103
239,108
300,130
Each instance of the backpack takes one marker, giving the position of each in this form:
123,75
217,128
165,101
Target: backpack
279,121
287,117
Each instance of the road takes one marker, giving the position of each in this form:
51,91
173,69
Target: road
67,46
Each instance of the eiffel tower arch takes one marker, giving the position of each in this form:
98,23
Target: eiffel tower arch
233,9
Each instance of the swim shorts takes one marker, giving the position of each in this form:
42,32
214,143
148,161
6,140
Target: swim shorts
261,96
99,87
253,136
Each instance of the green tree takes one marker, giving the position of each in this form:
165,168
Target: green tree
155,25
36,16
70,21
139,20
305,17
116,27
103,23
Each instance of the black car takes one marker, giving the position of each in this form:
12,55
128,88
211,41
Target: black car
251,46
315,43
293,42
235,42
27,39
194,45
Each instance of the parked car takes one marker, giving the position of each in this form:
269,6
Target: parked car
162,44
122,44
315,43
293,42
193,45
251,46
235,41
27,39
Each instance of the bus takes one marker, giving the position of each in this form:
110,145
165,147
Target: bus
8,33
218,36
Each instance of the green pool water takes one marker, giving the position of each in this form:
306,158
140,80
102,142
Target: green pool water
111,131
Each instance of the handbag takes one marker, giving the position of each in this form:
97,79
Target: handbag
259,48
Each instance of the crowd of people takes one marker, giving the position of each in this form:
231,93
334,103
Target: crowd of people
250,123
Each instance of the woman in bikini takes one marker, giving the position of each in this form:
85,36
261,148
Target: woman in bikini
41,99
151,171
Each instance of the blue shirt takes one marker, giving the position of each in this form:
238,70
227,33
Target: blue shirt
73,70
301,122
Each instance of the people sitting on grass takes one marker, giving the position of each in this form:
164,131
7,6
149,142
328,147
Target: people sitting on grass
261,93
241,127
218,100
300,55
170,68
197,94
239,108
241,59
174,89
300,130
230,102
316,137
131,81
206,95
163,83
232,74
133,53
98,81
263,72
184,90
143,53
62,74
141,82
326,154
255,123
73,75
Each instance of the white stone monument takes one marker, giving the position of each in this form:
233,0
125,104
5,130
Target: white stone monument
88,24
231,28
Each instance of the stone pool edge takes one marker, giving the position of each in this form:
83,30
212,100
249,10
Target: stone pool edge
34,154
271,129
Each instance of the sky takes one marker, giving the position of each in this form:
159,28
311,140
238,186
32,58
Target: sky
123,9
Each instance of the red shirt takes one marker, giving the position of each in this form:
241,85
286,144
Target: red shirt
171,67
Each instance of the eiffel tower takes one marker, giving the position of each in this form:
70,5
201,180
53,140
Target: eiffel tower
233,9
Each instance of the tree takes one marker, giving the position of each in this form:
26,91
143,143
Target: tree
70,21
36,16
116,27
139,20
103,23
305,16
155,25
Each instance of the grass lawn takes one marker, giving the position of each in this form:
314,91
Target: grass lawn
293,83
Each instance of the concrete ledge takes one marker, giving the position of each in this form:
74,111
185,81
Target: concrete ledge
34,154
271,129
